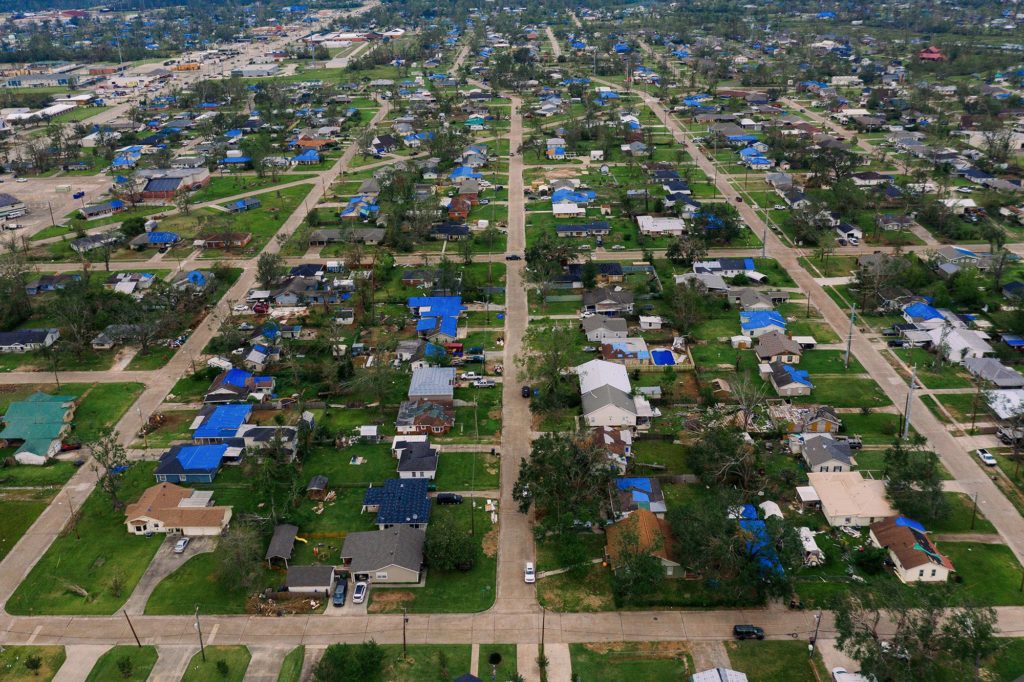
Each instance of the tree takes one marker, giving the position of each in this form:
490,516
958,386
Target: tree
930,635
914,482
133,226
750,394
33,663
686,249
350,662
719,223
125,667
545,260
15,305
688,305
448,547
240,557
269,267
109,456
183,201
637,571
550,349
565,480
722,457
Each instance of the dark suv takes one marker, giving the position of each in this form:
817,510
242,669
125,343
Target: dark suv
747,632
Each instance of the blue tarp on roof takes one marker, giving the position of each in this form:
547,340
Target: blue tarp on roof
742,138
464,172
310,155
236,159
758,319
922,311
162,237
758,543
197,278
800,376
910,523
223,422
577,197
201,457
400,501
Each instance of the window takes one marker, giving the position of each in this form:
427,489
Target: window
920,574
381,575
933,572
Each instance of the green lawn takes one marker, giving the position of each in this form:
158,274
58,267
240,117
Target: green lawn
102,407
842,392
991,573
775,661
196,583
829,362
236,657
631,661
52,474
18,515
467,471
505,670
291,667
143,659
106,562
450,591
422,663
959,520
12,663
930,373
1008,662
221,187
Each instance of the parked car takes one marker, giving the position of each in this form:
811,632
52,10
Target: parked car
359,593
589,349
513,256
180,545
779,207
338,599
747,632
69,447
897,344
468,376
241,308
586,313
449,498
245,327
986,457
484,383
525,392
618,247
529,575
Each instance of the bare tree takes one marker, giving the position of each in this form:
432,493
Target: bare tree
109,456
750,395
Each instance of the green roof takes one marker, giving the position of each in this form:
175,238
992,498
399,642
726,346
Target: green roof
38,421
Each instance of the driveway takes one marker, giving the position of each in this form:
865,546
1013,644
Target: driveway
163,564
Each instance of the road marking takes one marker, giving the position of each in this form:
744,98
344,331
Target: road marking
35,633
213,633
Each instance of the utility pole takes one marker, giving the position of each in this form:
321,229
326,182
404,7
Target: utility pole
849,336
71,507
910,397
764,237
405,619
974,512
202,649
132,628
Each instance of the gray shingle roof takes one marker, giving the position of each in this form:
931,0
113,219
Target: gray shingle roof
373,550
819,450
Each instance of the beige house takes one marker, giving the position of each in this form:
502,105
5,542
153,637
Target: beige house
914,555
775,346
394,555
849,499
169,508
653,535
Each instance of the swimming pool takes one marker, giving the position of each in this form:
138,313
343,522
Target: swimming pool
662,356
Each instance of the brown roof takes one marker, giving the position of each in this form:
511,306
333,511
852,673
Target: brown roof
776,343
653,534
315,144
160,502
911,547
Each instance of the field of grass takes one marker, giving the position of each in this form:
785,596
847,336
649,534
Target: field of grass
236,658
12,663
18,515
197,582
775,661
467,471
227,186
142,661
422,662
629,661
505,670
991,573
959,520
104,560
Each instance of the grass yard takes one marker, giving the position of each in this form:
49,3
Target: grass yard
959,520
629,661
196,583
776,661
829,362
991,573
12,663
17,517
106,562
876,428
505,670
236,657
842,392
930,373
102,407
422,662
450,591
664,452
142,660
291,667
1008,662
467,471
221,187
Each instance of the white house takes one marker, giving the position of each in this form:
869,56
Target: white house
915,557
956,345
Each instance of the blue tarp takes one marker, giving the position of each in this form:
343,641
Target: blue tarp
759,319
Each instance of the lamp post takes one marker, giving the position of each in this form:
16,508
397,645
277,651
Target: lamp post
199,630
405,619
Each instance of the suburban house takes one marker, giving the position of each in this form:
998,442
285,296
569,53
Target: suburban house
804,419
432,383
399,502
224,240
788,381
720,675
425,416
657,226
238,385
191,463
169,508
25,340
602,328
824,453
37,424
416,458
437,317
394,555
219,423
775,346
915,557
609,406
994,372
636,493
652,533
728,268
849,499
631,351
603,301
758,322
956,345
318,580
